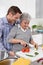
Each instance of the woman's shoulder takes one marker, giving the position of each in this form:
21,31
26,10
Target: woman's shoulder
15,27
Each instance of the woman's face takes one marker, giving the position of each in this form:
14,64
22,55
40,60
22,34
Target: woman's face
24,24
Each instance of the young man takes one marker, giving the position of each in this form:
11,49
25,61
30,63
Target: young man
6,24
20,36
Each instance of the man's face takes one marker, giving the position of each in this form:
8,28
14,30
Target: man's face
24,24
13,18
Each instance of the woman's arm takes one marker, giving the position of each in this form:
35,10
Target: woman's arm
16,41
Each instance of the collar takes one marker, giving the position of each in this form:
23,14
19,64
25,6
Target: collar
22,28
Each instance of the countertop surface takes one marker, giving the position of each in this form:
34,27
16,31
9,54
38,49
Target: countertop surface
36,32
32,51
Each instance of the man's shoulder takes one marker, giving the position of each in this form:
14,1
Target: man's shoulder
2,20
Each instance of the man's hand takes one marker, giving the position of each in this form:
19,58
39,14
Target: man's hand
11,53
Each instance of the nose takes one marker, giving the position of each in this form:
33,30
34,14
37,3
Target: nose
26,25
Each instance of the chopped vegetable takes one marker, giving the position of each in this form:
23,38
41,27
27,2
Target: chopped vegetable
36,53
26,49
29,55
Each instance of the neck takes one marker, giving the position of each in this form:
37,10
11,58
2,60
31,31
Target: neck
22,27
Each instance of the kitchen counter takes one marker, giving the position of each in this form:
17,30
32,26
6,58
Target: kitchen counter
10,61
32,51
35,33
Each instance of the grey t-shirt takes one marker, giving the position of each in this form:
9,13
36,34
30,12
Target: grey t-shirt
17,33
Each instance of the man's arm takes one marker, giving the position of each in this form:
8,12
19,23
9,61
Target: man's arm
1,34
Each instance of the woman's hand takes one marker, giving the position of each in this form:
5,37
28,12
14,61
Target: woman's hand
23,43
36,46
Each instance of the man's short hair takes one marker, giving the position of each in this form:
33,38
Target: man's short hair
14,10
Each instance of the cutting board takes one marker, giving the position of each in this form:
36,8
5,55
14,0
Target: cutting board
32,51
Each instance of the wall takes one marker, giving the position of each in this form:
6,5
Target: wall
30,7
24,5
39,8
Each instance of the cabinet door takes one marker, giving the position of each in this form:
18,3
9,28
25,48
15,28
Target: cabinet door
37,38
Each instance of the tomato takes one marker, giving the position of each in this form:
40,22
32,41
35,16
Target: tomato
23,50
26,49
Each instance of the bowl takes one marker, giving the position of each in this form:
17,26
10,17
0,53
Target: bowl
7,61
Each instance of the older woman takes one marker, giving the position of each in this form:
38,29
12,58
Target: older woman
20,35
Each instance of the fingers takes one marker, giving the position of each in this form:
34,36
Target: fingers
36,46
26,45
11,53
